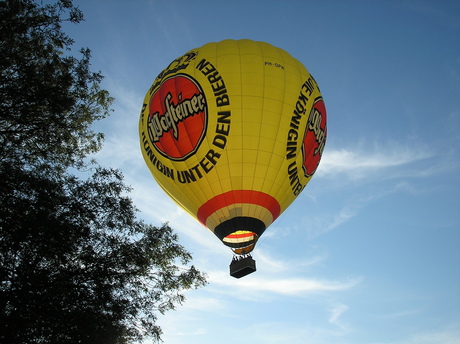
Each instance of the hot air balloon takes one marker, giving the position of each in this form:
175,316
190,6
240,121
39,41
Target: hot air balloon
233,132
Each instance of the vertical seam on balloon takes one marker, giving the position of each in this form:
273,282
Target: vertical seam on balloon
240,53
248,135
287,194
263,114
216,52
285,88
261,50
282,58
273,185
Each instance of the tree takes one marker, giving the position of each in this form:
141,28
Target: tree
76,265
49,98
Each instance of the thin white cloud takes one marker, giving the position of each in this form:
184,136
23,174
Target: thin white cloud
366,159
274,264
253,285
325,222
335,314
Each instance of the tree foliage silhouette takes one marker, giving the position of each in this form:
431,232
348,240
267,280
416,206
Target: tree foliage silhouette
76,265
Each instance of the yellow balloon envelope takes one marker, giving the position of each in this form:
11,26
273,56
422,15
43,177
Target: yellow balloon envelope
233,131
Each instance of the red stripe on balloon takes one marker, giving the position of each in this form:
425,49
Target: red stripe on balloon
239,236
239,196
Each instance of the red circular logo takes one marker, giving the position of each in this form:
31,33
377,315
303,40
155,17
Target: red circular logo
177,117
315,138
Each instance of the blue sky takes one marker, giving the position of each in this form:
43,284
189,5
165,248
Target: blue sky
370,251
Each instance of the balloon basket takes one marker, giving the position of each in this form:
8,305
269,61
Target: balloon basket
242,266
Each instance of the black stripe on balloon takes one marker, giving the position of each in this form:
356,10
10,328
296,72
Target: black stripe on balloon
240,223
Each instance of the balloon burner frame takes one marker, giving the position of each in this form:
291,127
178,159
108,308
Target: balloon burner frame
242,266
